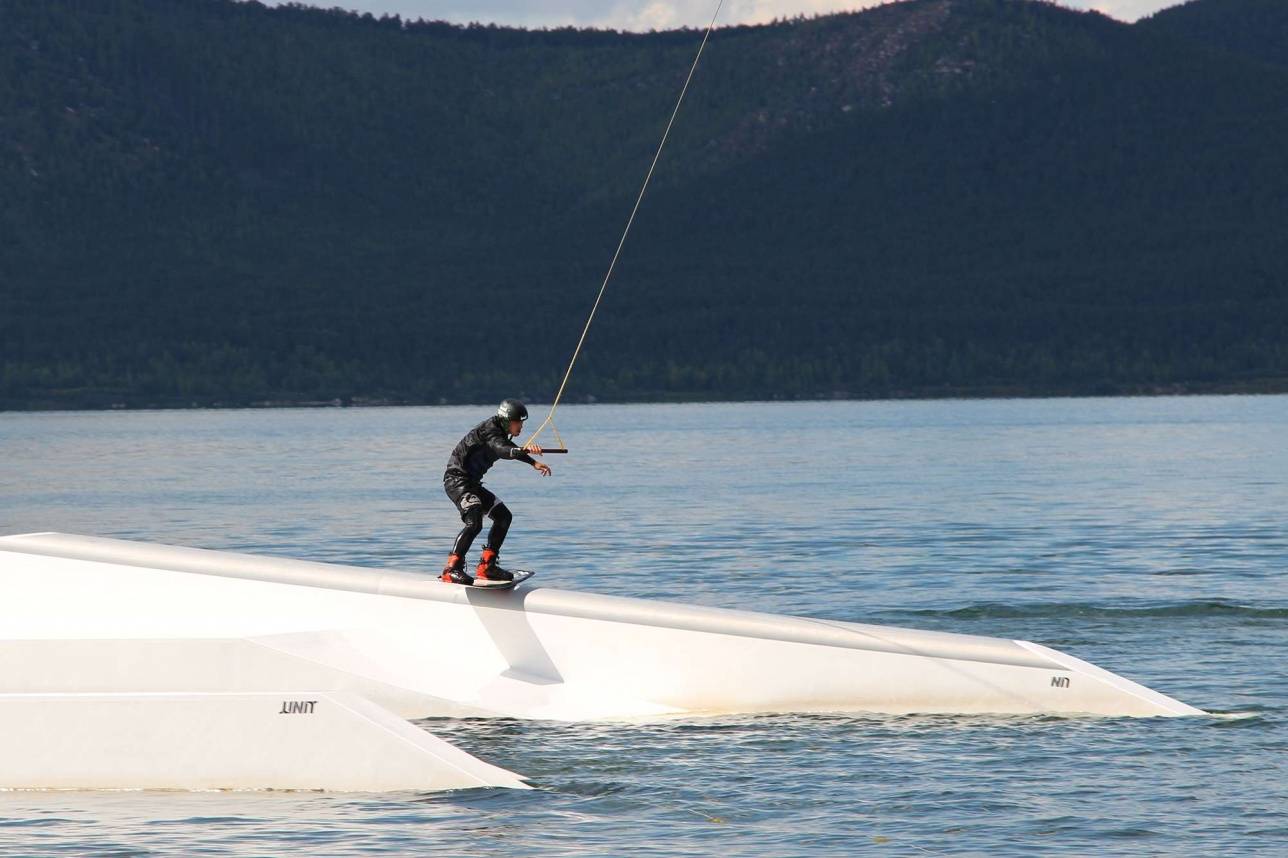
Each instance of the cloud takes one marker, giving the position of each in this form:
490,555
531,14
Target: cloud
657,15
638,15
1123,10
643,15
669,14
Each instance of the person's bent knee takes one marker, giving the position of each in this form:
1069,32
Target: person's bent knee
473,518
500,513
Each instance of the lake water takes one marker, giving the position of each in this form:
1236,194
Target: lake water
1147,536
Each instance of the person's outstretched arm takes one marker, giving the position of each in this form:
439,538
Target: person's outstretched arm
507,449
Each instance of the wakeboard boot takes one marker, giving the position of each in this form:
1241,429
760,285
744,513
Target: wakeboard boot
454,572
490,572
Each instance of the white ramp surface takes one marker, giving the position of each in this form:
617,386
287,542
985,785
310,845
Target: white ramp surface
80,614
289,741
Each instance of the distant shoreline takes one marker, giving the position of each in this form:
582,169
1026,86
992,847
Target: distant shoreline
1266,387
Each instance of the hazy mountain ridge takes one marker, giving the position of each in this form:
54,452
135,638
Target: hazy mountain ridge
220,202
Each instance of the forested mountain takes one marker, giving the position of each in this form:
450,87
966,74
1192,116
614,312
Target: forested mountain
1257,29
215,202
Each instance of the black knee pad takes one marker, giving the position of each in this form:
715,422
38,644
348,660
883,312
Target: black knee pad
500,513
473,517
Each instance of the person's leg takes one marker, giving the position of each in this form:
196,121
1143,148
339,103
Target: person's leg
501,518
473,519
488,569
471,505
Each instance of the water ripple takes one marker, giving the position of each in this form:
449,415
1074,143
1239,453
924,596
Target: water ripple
1143,535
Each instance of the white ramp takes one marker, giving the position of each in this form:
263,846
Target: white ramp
87,614
304,741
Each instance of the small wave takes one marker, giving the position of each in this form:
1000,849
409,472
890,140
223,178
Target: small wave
1251,718
36,823
1235,716
1212,608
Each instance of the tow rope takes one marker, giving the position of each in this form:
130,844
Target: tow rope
549,421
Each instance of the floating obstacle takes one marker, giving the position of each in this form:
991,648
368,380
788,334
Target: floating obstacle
332,740
89,615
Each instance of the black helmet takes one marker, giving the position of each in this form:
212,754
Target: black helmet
512,409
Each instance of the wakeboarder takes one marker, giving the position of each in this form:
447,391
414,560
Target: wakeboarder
481,447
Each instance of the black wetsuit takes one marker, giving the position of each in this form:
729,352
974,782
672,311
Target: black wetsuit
476,453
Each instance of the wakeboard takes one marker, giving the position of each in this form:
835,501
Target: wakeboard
520,575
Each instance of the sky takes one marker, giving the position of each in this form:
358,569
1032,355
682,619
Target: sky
642,15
